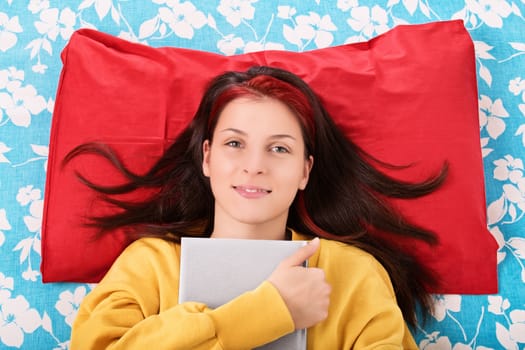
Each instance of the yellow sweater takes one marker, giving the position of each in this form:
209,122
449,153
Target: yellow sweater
135,307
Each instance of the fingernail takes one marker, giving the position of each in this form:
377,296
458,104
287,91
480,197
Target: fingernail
315,240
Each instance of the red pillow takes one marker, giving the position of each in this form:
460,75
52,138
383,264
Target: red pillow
407,96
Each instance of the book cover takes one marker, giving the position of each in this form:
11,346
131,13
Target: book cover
216,270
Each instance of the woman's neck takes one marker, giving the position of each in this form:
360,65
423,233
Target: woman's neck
271,230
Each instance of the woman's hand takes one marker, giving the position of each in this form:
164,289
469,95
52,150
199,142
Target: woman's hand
304,290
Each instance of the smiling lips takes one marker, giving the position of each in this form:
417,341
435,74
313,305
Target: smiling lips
251,192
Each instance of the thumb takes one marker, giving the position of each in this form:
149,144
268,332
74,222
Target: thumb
302,254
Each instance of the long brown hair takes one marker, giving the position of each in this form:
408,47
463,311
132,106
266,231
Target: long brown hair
346,198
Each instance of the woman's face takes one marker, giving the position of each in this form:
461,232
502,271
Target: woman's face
256,163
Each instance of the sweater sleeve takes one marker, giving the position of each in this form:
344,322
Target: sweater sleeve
377,315
363,312
131,308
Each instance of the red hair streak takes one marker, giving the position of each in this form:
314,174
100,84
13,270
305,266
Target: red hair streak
310,224
266,86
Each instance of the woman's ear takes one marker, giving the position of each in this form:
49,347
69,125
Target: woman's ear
308,164
206,158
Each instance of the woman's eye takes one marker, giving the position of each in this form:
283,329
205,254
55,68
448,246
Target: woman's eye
235,144
280,149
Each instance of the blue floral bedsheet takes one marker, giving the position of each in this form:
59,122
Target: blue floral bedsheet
33,33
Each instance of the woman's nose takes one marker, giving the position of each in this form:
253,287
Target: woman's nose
254,163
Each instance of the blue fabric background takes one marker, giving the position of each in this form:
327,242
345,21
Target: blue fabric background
33,33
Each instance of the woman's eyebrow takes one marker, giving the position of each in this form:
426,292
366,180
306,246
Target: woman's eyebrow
237,131
273,137
283,136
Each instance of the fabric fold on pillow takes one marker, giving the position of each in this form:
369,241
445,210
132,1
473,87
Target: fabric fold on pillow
408,96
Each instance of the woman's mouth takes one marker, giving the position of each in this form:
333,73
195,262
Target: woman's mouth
252,192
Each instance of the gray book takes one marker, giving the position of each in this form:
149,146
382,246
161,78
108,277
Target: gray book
216,270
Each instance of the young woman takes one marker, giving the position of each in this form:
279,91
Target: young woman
260,160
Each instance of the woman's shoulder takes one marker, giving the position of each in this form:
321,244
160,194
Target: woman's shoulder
348,262
347,253
147,248
346,258
151,243
146,257
337,250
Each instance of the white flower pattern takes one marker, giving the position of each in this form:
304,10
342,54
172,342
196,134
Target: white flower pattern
4,225
9,27
68,303
20,103
368,21
445,303
54,22
182,17
36,6
16,319
6,287
308,28
237,11
491,116
230,44
491,12
28,194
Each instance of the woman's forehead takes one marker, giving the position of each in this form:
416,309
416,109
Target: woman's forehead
258,114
